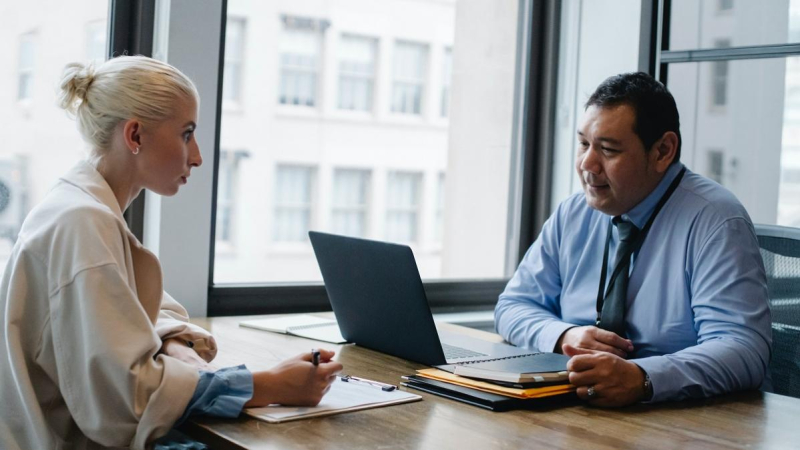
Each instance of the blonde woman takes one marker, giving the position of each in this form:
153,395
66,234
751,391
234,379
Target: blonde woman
95,353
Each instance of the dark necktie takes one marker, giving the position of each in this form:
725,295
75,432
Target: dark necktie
612,317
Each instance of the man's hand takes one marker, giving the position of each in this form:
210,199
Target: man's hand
178,349
593,338
295,381
616,382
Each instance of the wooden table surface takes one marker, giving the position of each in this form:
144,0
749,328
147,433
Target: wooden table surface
745,420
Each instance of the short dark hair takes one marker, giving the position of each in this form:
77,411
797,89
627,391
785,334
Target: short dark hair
653,105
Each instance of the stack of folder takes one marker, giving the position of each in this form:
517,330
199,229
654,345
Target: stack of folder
490,394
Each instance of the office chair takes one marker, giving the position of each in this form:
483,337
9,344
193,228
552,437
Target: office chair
780,250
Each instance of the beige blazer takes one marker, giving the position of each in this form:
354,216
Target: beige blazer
83,315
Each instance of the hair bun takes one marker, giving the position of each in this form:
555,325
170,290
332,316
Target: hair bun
75,83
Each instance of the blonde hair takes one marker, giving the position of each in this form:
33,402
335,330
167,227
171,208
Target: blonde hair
122,88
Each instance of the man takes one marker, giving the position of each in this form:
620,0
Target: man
679,309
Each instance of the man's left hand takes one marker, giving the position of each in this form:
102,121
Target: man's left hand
614,381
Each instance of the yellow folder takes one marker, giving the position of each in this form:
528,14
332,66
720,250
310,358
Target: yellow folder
546,391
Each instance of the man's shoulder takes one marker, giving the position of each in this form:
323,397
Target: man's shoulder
705,197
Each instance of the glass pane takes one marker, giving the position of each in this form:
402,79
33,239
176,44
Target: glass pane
584,63
40,143
747,139
369,159
699,24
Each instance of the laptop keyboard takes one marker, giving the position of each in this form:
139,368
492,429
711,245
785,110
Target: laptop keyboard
453,352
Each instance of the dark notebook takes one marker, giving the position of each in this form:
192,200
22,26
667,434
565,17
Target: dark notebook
486,400
541,368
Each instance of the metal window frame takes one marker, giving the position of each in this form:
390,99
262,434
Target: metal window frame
131,27
530,206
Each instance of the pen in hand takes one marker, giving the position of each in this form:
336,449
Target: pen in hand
315,356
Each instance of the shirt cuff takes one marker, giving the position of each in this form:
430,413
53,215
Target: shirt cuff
549,335
660,380
220,394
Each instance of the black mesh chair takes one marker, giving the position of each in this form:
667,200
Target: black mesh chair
780,249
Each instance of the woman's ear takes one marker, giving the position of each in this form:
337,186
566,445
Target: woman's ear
131,134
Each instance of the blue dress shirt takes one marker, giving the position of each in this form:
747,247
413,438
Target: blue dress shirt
221,394
697,309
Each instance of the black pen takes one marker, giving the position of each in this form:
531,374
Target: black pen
315,356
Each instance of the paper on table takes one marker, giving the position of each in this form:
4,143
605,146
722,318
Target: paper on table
342,397
545,391
303,325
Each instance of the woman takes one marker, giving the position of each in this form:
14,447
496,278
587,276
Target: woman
96,353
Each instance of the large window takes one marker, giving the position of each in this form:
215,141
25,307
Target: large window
345,133
749,139
40,143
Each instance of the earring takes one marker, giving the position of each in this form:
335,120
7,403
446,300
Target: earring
135,151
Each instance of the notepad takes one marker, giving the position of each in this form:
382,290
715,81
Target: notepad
343,397
541,392
542,368
302,325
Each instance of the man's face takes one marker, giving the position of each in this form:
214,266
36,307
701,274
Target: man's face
615,170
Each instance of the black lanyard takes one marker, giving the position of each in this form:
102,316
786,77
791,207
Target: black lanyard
600,291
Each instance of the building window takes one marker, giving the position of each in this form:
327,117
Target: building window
294,194
96,51
438,232
350,202
356,72
300,50
402,206
719,78
27,51
447,75
227,181
234,57
410,68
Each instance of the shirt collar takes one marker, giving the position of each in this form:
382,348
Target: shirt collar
640,213
86,178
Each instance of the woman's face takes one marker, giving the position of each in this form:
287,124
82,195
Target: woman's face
169,150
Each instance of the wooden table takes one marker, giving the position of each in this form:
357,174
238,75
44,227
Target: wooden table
743,420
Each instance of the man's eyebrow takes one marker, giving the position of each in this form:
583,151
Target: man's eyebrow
603,139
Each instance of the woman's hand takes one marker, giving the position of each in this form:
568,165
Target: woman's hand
178,349
295,381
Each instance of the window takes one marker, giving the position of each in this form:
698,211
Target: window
356,72
96,49
348,161
27,53
409,73
350,202
719,78
34,49
402,206
234,58
447,74
294,194
754,114
300,56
